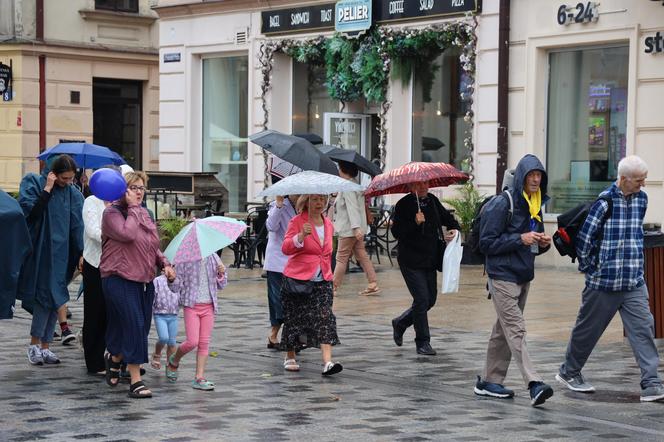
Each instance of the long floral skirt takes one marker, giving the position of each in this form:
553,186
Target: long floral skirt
308,319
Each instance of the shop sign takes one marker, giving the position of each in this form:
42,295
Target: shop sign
305,18
5,77
655,44
172,57
581,13
6,82
352,17
393,10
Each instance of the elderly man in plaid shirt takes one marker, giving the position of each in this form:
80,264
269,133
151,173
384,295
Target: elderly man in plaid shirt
613,264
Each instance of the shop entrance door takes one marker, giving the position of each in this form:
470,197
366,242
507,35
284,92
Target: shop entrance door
117,110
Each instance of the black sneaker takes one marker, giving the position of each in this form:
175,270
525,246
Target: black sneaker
68,337
539,393
484,388
56,336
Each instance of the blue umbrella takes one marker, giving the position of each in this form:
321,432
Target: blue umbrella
86,155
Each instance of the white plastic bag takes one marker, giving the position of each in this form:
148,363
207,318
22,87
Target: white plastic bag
452,265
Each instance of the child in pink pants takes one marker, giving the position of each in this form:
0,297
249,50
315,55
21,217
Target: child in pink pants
197,283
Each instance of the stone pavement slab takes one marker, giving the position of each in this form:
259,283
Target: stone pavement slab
384,393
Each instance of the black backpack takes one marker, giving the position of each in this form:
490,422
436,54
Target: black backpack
473,240
570,223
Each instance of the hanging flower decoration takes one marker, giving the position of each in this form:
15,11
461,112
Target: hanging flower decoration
360,68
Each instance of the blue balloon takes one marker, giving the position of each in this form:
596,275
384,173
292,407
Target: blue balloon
107,184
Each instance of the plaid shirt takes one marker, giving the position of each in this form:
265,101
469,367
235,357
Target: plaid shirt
618,264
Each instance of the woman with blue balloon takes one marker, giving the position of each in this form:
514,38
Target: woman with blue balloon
130,253
94,304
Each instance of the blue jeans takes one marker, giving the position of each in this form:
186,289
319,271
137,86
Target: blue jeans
43,323
167,328
274,280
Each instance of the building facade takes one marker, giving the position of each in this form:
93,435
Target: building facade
213,90
586,88
81,70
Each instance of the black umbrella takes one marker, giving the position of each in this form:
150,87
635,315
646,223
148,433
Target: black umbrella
295,150
351,156
312,138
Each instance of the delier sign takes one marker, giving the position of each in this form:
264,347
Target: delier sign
352,17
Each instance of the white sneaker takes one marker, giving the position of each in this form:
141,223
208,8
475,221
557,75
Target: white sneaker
49,357
652,394
35,355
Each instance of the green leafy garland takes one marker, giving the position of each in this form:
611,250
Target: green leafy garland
360,68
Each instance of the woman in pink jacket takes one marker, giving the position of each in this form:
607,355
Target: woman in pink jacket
306,292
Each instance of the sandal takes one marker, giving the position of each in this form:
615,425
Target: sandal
156,361
272,345
291,365
370,291
112,374
138,390
202,384
172,375
331,368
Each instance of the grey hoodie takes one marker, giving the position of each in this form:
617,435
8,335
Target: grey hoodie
507,258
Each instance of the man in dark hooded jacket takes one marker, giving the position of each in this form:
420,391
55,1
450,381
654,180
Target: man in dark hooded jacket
510,245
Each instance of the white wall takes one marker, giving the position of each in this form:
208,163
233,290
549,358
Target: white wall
535,31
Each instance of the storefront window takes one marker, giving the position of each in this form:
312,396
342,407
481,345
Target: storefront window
310,99
438,126
225,96
587,120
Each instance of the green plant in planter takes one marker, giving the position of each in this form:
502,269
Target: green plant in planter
169,228
465,206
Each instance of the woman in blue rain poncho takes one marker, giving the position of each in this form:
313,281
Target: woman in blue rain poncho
16,246
53,210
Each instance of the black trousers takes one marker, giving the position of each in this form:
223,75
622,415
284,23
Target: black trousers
422,285
94,319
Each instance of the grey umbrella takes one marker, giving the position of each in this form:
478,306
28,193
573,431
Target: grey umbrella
351,156
295,150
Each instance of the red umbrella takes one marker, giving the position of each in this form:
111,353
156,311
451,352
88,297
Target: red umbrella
397,180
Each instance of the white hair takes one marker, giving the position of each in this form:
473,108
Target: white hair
632,166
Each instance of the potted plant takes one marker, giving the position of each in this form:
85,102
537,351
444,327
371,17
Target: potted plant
465,207
169,228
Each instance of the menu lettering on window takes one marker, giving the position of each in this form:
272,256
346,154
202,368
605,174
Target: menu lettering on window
305,18
393,10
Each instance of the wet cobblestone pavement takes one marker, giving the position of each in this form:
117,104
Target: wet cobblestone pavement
384,392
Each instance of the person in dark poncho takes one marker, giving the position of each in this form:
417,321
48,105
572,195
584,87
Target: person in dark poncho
16,247
53,209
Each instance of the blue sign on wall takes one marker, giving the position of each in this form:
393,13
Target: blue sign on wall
352,17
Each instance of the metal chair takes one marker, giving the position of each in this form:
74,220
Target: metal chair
379,237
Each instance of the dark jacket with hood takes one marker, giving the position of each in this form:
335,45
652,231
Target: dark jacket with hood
507,258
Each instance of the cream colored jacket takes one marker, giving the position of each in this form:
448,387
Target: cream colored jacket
349,213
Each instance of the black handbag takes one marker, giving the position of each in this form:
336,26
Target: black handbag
297,286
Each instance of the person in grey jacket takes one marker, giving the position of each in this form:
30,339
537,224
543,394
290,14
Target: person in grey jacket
510,243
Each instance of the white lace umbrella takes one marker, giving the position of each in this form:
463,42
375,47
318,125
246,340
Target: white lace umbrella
312,183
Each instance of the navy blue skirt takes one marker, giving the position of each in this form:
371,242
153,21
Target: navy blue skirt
129,318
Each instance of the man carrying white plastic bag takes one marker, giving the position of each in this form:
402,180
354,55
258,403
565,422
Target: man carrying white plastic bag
452,265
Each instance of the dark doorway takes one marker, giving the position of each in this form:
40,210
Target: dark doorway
117,117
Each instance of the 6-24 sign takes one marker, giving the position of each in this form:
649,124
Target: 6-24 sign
581,13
